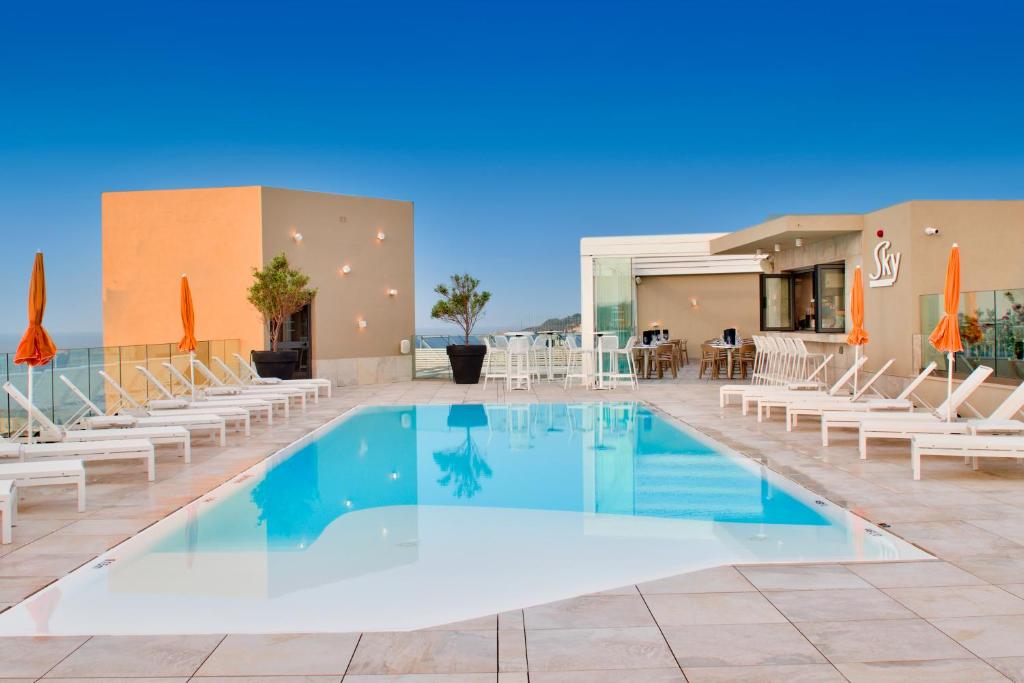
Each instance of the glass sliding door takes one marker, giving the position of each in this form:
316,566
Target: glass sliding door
777,302
614,305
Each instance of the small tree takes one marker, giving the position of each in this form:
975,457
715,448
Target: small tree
279,291
461,303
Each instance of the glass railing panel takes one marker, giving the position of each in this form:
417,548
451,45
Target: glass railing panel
17,375
156,356
107,359
5,401
131,379
73,364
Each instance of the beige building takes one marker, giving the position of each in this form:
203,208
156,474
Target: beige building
801,285
357,251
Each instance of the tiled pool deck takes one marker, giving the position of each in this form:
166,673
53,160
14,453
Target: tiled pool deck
957,619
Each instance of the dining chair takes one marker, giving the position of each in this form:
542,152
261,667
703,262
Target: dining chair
665,357
711,358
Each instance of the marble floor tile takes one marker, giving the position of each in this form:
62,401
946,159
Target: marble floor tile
958,601
740,645
809,577
855,604
913,574
714,580
1011,667
999,636
137,656
281,655
798,673
592,611
601,648
881,640
684,609
666,675
33,657
426,652
931,671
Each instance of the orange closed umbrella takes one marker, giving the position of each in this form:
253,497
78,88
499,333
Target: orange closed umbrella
858,335
188,325
946,335
36,347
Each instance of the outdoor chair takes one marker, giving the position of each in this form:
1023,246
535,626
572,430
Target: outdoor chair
665,357
712,359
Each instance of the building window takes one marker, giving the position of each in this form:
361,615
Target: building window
831,298
991,329
776,302
811,300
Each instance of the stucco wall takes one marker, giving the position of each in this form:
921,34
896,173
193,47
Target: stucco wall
150,238
723,300
338,230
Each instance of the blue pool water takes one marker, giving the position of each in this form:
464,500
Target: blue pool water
468,456
411,516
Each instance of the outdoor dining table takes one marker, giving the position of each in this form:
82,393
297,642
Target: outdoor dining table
646,353
729,349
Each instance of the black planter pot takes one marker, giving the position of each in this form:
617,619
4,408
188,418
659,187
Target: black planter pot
280,364
466,362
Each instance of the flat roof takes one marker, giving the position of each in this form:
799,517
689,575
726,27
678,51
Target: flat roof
785,230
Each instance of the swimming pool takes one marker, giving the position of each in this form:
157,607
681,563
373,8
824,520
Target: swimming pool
404,517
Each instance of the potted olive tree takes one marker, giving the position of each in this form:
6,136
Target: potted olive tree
463,305
278,291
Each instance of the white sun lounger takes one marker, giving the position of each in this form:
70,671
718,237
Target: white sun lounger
958,445
307,391
8,508
239,416
852,419
91,417
215,393
49,431
787,401
1000,421
172,402
816,406
86,451
305,384
44,473
312,391
255,378
765,401
810,383
277,400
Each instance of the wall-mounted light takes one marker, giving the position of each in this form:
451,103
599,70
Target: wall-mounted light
381,235
296,237
931,232
362,324
799,241
392,292
777,247
693,302
345,269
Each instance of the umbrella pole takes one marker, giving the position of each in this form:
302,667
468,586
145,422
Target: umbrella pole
856,369
192,372
949,389
30,403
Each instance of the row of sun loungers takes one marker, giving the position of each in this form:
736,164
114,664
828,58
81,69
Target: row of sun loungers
132,430
1000,434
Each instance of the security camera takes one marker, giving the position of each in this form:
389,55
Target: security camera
931,231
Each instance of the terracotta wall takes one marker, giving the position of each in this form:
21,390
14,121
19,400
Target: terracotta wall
724,300
338,230
150,238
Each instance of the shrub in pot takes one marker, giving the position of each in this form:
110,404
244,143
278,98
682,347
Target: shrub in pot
277,292
463,305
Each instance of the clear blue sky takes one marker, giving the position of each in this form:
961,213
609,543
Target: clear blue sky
515,127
